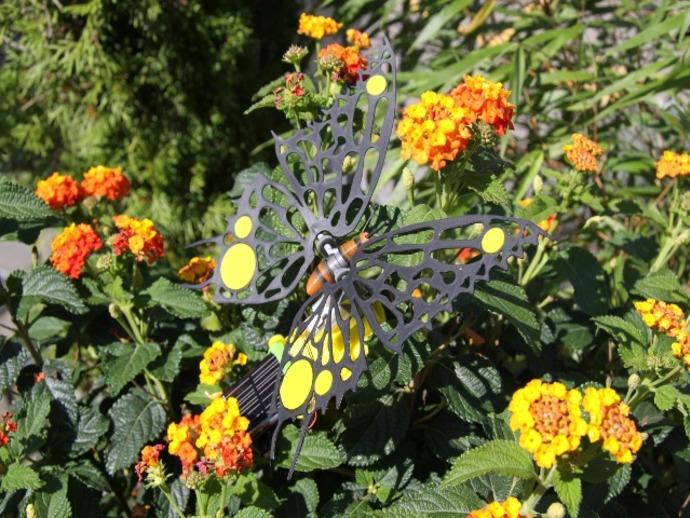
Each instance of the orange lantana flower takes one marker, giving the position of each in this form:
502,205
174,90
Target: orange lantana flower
58,191
349,61
582,153
317,27
358,39
150,457
486,101
72,247
106,182
139,237
197,270
434,131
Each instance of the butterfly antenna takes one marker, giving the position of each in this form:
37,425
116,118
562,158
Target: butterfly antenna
302,435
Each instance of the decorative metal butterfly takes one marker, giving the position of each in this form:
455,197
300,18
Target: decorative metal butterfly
390,285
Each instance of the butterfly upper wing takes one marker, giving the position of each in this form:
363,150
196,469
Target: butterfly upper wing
414,273
325,163
265,251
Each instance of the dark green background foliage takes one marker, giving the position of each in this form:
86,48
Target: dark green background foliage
160,88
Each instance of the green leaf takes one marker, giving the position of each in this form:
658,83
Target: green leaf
512,302
51,500
47,285
91,427
500,457
13,357
318,451
632,340
45,328
309,491
588,280
131,360
20,204
665,397
137,418
651,34
19,476
89,475
662,285
176,300
167,366
569,490
253,512
436,22
35,418
434,501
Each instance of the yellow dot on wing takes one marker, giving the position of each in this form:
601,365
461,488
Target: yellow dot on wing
243,226
376,85
493,240
323,382
296,384
238,266
345,374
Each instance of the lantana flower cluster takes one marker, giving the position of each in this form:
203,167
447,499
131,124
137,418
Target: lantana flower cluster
673,164
548,224
509,508
60,191
139,237
317,27
197,270
72,247
438,128
7,427
217,360
215,440
552,421
670,320
582,153
344,63
150,466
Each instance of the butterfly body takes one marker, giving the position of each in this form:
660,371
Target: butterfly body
386,286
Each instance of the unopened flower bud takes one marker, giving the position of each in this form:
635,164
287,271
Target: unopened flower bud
634,381
330,63
114,310
537,184
104,262
31,511
408,178
556,510
294,54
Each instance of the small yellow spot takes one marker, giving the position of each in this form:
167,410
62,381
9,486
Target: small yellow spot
376,85
323,382
238,266
325,354
243,226
345,374
493,240
296,385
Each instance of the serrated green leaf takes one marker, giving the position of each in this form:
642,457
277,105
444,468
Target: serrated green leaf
588,280
20,476
309,491
512,302
47,285
631,337
34,418
318,451
89,475
51,500
91,427
663,285
20,204
253,512
137,418
433,500
500,457
167,366
665,397
13,357
176,300
569,490
131,361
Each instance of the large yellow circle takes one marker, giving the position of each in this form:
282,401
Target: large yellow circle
243,226
296,385
376,85
238,266
323,382
493,240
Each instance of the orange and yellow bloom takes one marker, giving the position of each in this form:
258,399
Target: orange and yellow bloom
217,360
582,153
139,237
681,347
149,458
673,164
549,418
72,247
486,101
434,131
662,317
358,39
609,421
58,191
349,62
105,182
197,270
181,437
317,27
7,427
509,508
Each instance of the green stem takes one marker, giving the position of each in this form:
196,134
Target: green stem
171,501
132,321
28,343
543,485
536,264
160,390
439,189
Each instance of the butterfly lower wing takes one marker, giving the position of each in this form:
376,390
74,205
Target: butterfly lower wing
323,357
326,162
266,249
414,273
